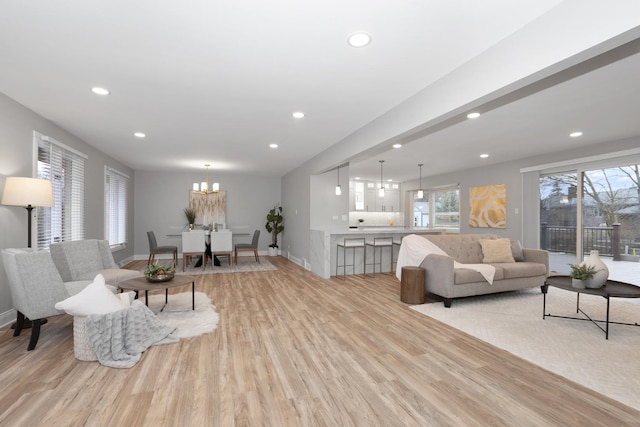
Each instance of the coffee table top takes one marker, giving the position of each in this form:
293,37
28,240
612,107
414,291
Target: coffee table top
610,289
142,284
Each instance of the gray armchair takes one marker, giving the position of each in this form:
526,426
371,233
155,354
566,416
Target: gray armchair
84,259
36,286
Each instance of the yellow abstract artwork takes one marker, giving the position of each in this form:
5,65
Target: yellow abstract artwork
488,206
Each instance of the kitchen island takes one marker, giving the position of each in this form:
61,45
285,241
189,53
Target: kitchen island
323,247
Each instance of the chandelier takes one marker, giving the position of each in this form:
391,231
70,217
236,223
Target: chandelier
203,187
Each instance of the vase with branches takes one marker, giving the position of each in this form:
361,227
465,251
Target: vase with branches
190,213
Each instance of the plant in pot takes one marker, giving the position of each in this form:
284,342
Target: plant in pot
275,227
159,273
191,216
581,274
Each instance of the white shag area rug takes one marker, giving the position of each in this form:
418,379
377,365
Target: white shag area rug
178,313
574,349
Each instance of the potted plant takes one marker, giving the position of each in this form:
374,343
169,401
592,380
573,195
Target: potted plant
581,274
191,216
360,222
275,227
159,273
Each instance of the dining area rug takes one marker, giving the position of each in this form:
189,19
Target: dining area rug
574,349
245,265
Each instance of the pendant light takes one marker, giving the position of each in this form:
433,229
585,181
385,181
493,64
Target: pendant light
420,191
338,188
203,188
381,190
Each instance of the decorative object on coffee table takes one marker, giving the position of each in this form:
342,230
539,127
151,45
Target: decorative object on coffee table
602,272
156,273
581,274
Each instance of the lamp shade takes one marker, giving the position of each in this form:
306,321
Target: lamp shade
20,191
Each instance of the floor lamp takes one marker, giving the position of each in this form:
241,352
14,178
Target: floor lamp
28,193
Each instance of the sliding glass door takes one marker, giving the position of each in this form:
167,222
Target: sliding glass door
594,209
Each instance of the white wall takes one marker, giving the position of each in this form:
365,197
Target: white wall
162,196
17,124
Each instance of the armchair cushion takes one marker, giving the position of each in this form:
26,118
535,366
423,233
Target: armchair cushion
84,259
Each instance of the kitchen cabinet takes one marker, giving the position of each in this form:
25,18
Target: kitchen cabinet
374,203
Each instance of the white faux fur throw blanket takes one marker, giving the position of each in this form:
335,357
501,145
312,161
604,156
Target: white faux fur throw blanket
414,250
119,338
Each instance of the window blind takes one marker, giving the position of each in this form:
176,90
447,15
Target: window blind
64,167
115,207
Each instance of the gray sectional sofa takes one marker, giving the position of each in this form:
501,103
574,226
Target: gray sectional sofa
448,282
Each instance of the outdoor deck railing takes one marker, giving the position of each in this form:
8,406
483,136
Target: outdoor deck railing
606,240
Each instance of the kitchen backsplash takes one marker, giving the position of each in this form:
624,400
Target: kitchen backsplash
376,219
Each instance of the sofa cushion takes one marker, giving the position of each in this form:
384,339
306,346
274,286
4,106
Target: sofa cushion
522,269
464,248
462,276
496,250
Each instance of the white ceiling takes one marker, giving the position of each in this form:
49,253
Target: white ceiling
216,82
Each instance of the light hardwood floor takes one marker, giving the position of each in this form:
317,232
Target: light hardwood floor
293,349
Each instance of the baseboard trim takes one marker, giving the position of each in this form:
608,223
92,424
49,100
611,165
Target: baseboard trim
7,317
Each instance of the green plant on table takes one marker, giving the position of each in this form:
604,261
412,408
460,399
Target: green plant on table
582,272
157,270
360,220
190,214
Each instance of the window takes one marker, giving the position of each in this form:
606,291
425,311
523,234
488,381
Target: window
439,208
64,167
115,208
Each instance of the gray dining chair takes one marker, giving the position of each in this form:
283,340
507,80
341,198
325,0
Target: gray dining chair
154,250
253,246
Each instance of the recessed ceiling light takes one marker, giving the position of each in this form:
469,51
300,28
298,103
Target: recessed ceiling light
357,177
473,115
397,145
273,145
298,114
484,156
390,180
99,91
359,39
575,134
139,135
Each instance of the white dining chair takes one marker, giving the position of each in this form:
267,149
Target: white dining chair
193,244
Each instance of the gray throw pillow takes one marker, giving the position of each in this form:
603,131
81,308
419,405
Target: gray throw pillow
516,250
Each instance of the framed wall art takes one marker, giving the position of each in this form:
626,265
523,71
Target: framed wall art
488,206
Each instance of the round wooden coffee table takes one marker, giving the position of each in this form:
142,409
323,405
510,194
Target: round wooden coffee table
142,284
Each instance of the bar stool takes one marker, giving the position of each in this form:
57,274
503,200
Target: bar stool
379,242
394,261
352,243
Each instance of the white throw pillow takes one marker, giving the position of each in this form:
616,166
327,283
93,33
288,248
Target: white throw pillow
96,298
496,250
